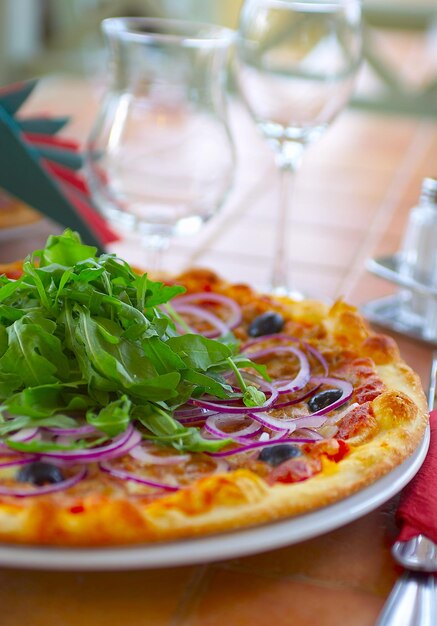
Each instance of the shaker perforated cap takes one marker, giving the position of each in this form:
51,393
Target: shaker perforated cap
428,192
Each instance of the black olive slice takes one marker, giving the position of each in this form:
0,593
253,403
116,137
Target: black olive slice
40,473
323,399
266,324
275,455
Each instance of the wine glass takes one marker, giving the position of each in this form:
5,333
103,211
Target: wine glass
160,158
296,63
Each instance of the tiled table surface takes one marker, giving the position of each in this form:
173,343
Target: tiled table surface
351,201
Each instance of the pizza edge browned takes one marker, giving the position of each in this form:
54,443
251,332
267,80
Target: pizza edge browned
240,498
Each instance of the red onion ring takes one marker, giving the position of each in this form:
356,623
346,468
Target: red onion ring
187,410
273,423
191,414
218,326
313,435
284,337
219,407
124,475
289,425
140,453
319,356
258,444
213,423
22,460
192,420
304,396
313,420
44,489
86,429
118,446
236,315
25,434
301,378
276,439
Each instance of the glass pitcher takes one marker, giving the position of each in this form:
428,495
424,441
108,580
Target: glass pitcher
160,158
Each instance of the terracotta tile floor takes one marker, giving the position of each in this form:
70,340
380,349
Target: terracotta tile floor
355,556
248,599
87,599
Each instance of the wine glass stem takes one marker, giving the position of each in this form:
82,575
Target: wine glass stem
279,280
154,246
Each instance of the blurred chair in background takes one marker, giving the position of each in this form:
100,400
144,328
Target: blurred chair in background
400,50
39,37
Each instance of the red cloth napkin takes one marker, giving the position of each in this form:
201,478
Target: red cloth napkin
417,510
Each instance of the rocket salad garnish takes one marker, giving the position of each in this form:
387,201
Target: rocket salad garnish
85,338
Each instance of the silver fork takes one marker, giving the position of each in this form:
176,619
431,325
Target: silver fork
413,600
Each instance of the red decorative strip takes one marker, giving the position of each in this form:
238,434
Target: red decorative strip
67,175
50,140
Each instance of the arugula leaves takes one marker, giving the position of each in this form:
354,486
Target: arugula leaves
83,335
113,418
34,355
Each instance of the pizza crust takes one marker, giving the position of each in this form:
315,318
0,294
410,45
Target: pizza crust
240,498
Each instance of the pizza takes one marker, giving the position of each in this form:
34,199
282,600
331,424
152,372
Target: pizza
134,411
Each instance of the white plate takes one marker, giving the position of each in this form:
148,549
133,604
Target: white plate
225,545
